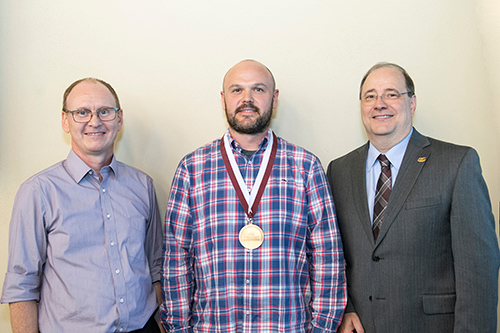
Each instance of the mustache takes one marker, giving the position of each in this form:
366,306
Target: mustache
247,106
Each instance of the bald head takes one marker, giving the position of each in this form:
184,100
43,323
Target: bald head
249,98
249,67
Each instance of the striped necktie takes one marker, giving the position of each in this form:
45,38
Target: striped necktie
384,186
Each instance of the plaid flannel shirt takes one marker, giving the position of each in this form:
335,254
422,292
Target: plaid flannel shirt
294,282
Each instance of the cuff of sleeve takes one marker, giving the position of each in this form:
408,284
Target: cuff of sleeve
18,288
155,270
349,306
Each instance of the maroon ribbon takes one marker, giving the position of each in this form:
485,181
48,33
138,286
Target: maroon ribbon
236,185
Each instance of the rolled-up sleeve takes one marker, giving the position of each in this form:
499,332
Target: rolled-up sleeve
153,242
27,245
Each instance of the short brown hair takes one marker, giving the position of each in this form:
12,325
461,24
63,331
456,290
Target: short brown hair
104,83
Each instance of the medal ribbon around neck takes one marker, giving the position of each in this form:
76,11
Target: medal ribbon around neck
249,201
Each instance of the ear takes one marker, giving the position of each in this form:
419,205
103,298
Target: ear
119,119
223,101
65,122
413,104
275,98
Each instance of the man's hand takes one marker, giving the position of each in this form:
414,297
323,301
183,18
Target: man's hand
157,287
351,324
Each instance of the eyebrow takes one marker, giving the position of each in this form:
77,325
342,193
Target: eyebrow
237,85
373,90
90,109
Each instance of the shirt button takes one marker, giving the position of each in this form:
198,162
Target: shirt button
117,271
103,190
112,243
247,281
121,329
248,312
108,216
90,172
122,300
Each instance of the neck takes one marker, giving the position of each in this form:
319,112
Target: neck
96,162
248,141
384,143
382,147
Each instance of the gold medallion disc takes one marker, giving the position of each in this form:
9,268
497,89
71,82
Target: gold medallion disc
251,236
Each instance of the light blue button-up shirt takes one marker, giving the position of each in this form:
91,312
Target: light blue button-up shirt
88,251
395,156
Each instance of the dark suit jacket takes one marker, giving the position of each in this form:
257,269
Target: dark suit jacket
434,267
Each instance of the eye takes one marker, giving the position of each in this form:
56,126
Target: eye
104,112
370,97
259,90
391,95
82,112
236,90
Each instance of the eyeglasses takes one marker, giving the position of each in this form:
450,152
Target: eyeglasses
388,97
85,115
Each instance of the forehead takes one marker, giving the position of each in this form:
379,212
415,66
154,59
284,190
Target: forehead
248,72
88,93
384,78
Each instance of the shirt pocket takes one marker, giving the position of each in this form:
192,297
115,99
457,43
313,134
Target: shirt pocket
133,234
286,208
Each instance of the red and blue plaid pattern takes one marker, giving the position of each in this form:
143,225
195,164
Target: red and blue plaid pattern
294,282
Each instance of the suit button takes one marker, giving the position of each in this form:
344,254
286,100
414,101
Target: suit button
370,298
376,258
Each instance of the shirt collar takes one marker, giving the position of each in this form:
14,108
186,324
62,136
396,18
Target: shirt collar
395,154
236,146
78,169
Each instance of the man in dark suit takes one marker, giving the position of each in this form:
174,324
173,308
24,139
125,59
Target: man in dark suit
418,231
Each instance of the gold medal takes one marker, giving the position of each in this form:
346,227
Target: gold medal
251,236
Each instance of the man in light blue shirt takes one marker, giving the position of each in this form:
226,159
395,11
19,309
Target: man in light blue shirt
85,234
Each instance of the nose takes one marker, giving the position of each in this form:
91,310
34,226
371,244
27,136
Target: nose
247,96
380,103
95,121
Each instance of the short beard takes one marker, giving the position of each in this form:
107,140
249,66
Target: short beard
260,125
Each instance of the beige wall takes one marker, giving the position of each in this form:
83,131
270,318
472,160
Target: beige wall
166,60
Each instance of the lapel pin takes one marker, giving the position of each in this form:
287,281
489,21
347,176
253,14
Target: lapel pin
422,159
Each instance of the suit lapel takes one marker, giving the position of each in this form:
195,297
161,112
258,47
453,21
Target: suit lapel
413,162
358,177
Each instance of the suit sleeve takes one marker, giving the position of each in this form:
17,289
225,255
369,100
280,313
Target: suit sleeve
330,176
475,250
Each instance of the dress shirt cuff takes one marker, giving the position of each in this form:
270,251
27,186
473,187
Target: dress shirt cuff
349,307
18,288
155,270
